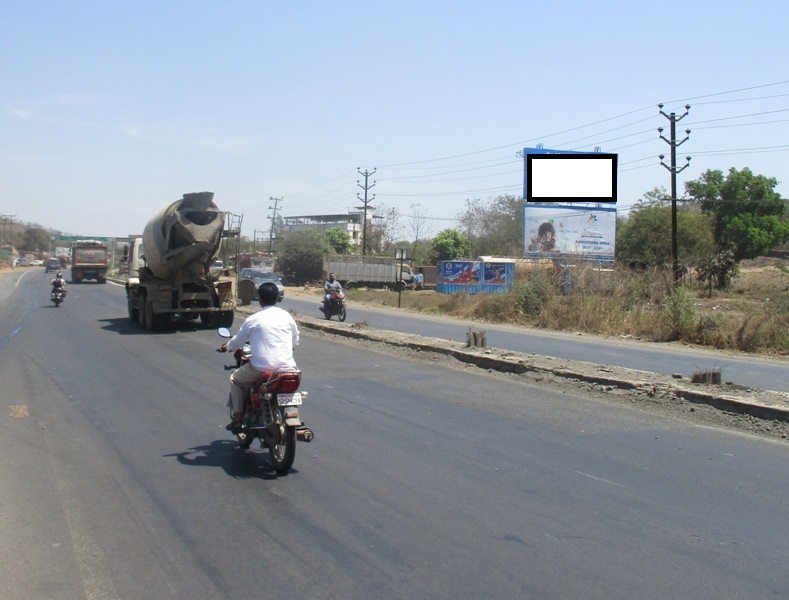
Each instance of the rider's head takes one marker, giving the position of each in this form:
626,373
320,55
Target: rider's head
331,276
268,294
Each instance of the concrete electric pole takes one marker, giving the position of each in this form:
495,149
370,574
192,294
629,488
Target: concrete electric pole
273,218
366,187
673,118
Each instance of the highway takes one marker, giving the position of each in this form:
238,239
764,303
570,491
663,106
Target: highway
120,482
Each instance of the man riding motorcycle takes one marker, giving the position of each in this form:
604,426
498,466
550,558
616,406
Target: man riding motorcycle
58,284
330,288
272,335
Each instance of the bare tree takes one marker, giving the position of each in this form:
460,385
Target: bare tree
417,224
495,227
386,230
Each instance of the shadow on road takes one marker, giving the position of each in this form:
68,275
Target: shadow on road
124,326
226,454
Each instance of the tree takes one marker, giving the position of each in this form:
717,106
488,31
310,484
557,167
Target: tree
339,239
747,210
417,225
645,236
385,232
495,228
300,256
34,239
450,244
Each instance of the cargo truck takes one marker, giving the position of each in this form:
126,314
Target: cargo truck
170,267
370,271
88,261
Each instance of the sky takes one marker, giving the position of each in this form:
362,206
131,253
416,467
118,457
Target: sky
110,110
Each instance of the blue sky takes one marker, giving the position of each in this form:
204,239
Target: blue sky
109,110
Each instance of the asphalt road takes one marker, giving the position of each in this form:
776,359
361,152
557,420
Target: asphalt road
752,371
119,481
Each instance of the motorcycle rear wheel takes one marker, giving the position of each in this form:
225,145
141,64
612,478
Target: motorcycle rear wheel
283,454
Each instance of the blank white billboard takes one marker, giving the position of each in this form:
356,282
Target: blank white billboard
571,177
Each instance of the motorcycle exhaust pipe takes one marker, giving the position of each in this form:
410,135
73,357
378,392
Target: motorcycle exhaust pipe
305,434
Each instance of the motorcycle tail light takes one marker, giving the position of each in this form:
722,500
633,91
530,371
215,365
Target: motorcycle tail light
289,383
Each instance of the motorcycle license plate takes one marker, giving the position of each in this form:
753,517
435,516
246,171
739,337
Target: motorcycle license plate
293,399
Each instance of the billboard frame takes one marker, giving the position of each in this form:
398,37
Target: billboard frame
584,167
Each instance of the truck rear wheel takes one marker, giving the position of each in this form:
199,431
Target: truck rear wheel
153,321
148,315
134,314
141,311
224,319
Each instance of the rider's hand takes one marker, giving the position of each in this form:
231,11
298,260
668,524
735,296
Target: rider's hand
222,348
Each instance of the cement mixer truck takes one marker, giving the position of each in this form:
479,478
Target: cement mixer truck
170,267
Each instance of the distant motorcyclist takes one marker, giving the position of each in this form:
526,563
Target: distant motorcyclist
331,287
59,284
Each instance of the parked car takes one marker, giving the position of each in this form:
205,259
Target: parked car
260,276
53,264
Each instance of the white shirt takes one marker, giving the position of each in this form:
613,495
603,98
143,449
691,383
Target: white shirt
272,335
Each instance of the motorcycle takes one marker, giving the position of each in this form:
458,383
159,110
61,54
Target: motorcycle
271,411
336,306
58,295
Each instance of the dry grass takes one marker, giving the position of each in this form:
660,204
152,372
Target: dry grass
752,315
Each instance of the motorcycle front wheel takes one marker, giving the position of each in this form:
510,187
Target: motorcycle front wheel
284,453
341,315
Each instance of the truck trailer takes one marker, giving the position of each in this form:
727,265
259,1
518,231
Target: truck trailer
370,271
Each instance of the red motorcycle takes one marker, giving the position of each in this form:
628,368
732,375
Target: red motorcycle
58,294
271,411
335,305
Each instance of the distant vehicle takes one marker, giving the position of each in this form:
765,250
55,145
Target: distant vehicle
261,276
37,263
89,260
371,271
168,264
53,264
217,267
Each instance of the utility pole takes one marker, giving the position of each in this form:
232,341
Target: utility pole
255,233
673,118
273,218
8,228
366,187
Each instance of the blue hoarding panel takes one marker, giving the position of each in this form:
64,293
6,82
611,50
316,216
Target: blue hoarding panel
474,277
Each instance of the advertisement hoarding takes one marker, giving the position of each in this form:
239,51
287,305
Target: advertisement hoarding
557,231
569,176
475,276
